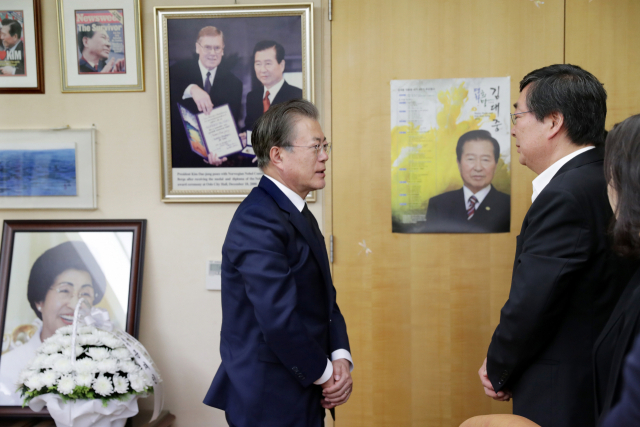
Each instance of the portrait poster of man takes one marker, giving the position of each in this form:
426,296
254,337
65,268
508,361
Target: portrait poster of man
50,272
240,64
450,156
100,38
12,52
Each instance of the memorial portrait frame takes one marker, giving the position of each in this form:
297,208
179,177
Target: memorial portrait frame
162,18
37,227
32,36
72,81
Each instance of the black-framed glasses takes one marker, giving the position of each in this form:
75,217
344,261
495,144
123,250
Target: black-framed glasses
326,147
211,49
514,116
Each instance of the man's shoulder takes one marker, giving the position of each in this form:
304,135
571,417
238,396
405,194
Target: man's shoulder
498,196
447,197
288,92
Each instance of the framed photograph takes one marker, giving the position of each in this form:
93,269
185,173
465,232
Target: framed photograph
100,46
219,69
46,266
48,169
21,60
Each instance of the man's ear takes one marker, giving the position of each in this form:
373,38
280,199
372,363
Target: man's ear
275,156
556,121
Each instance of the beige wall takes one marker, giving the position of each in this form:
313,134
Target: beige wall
180,320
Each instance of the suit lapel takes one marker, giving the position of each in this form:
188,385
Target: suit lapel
301,224
280,96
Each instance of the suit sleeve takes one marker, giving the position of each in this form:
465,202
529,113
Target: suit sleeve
627,412
556,245
258,250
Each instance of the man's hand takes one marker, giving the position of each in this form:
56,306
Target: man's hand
108,67
201,98
502,396
8,70
339,391
213,160
243,138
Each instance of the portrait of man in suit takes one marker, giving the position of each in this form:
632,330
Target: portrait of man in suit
11,37
284,345
565,280
200,84
269,64
477,207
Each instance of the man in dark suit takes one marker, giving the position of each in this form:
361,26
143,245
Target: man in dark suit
477,207
200,85
268,63
11,34
565,280
284,345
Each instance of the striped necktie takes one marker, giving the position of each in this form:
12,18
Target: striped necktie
472,207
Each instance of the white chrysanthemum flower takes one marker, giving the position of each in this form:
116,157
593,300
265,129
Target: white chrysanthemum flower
66,384
63,366
121,384
121,354
147,379
34,382
137,382
112,342
26,373
108,365
64,340
50,348
86,366
98,353
86,330
85,379
49,378
49,361
89,339
103,386
67,351
128,366
65,330
38,361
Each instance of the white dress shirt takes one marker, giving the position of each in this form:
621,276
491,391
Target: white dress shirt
545,177
273,91
299,203
203,71
480,195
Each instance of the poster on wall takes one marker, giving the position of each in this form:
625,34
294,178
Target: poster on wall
220,68
450,155
21,66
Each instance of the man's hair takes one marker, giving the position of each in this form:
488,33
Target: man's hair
210,32
81,35
275,128
573,92
482,135
622,172
268,44
15,29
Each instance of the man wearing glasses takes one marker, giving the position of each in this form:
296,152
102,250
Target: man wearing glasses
200,85
284,345
565,279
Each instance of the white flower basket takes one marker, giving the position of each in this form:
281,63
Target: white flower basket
86,413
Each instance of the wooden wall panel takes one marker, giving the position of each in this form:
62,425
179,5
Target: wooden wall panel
420,309
604,38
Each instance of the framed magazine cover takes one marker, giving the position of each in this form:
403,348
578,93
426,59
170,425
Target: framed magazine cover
21,59
219,69
46,266
100,46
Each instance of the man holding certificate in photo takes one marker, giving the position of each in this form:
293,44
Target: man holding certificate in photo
198,86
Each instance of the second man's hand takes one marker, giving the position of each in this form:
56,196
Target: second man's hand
201,98
214,160
338,389
501,396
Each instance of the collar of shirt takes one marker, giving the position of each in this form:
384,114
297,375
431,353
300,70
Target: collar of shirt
480,195
14,47
204,70
545,177
274,90
291,195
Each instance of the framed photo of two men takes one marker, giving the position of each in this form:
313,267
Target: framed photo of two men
219,69
451,155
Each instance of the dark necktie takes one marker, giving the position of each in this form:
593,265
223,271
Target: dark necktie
312,223
472,207
207,82
266,104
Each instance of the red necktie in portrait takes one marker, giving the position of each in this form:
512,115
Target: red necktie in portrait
265,102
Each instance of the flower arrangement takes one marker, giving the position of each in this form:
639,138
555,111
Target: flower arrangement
103,368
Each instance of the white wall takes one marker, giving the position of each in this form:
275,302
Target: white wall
180,320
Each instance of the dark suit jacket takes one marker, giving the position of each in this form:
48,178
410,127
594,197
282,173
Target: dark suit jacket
447,213
254,102
19,50
226,89
613,345
565,283
280,320
627,412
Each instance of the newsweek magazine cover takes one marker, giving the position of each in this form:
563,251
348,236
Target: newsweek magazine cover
12,55
100,38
